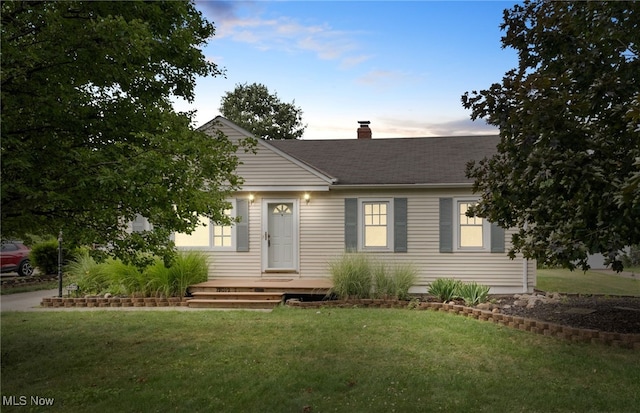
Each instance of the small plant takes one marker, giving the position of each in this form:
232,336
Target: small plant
158,280
446,289
473,293
351,276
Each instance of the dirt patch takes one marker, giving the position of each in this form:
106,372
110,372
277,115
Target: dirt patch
604,313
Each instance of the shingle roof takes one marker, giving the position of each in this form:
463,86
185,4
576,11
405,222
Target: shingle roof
400,161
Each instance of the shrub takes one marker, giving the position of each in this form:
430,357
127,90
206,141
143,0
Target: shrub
404,276
91,277
383,283
473,293
44,256
123,279
446,289
158,280
187,268
351,276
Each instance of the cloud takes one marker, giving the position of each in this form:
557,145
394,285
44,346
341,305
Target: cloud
282,33
412,128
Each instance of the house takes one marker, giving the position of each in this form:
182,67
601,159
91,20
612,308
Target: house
304,203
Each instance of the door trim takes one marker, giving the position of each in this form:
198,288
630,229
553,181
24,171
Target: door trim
265,229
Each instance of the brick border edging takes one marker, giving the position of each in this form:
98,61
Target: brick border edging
91,302
582,335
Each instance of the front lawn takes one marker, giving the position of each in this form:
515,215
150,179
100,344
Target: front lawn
591,282
291,360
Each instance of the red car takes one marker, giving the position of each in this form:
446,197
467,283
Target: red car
15,257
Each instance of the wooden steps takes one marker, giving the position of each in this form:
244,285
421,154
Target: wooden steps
252,293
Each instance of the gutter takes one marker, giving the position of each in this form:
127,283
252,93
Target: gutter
402,186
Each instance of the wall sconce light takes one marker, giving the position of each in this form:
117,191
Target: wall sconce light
251,198
307,197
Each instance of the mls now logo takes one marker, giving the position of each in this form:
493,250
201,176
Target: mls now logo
24,401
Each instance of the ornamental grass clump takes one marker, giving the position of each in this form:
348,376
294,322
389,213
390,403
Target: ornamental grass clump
446,289
188,268
404,277
351,276
473,293
90,276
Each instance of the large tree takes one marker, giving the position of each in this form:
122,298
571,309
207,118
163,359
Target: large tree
262,113
89,135
567,168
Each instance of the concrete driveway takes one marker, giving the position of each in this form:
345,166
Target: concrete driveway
25,301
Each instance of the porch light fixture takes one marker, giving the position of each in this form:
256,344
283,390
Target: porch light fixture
307,197
251,198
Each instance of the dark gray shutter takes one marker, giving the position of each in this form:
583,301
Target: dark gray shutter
400,224
497,238
446,224
242,226
351,224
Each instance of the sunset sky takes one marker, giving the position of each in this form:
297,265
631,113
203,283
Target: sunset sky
401,65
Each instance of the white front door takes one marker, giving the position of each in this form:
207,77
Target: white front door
280,240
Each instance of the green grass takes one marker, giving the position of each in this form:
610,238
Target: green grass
591,282
337,360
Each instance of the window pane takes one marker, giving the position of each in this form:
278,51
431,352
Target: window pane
471,236
198,238
375,237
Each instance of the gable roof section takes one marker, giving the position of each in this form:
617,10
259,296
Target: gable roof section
269,167
404,161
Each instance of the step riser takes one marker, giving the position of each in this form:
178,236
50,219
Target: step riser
237,296
218,304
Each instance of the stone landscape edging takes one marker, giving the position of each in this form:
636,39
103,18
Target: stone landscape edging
91,302
582,335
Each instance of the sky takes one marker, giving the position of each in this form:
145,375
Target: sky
403,66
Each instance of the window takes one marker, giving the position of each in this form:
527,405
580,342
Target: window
222,233
471,232
376,225
198,238
208,235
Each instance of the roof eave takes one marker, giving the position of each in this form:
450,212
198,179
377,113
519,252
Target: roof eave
404,186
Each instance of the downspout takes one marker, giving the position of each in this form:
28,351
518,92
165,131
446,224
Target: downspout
525,270
525,275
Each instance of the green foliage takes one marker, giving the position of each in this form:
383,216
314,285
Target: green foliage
100,142
446,289
119,278
351,276
44,256
473,293
189,267
567,171
632,257
404,277
90,276
357,275
263,114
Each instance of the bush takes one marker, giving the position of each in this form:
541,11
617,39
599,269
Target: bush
446,289
404,276
351,276
44,256
187,268
473,293
118,278
383,284
91,277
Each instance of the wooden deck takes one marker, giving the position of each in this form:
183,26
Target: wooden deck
254,292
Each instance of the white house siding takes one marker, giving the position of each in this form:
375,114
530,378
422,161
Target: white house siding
266,167
321,236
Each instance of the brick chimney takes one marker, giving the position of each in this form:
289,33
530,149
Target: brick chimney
364,132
